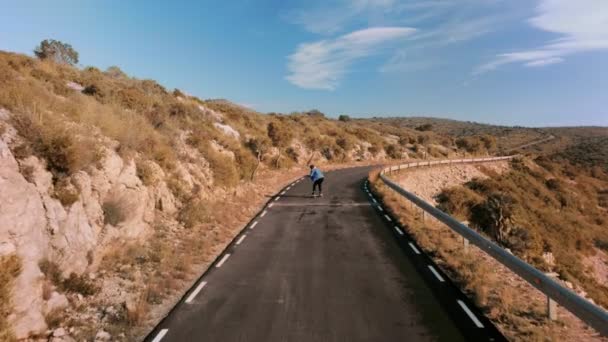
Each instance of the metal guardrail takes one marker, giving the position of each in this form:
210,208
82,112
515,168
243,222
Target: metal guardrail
589,313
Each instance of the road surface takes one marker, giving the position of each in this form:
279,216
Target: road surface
323,269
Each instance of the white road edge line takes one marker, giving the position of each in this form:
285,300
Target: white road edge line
283,193
414,248
226,256
277,198
253,224
388,218
398,230
160,335
380,208
437,275
470,314
289,187
270,205
263,213
373,199
196,291
241,239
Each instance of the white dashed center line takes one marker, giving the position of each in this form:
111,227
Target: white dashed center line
253,224
226,256
414,248
160,335
276,199
437,275
398,230
470,314
196,291
241,239
388,218
380,208
263,213
373,199
270,205
283,193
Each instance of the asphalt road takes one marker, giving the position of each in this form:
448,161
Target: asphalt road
323,269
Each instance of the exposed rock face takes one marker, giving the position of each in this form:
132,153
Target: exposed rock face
227,129
36,226
23,225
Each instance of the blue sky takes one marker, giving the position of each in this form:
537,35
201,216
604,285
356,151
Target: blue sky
516,62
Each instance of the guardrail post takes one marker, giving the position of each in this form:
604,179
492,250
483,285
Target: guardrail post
551,309
465,245
551,304
465,241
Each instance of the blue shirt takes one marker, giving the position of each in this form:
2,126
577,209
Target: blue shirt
316,174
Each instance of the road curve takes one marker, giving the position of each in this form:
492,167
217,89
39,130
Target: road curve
323,269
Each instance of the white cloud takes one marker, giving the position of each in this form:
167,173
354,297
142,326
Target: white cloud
332,16
582,26
321,64
544,62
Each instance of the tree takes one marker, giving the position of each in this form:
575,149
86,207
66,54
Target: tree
344,118
115,72
56,51
495,216
280,136
259,146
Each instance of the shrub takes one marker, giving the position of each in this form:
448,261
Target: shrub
345,142
79,284
281,137
224,169
394,151
457,202
115,210
145,172
194,213
65,192
133,98
56,51
494,216
425,127
51,271
344,118
115,72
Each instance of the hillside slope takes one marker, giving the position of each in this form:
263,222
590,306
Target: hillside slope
116,193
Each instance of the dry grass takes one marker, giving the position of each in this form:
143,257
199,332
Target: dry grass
548,212
518,311
476,276
74,283
10,267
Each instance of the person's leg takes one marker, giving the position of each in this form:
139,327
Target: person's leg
321,186
314,186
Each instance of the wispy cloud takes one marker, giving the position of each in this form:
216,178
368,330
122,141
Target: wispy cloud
321,64
581,26
332,16
440,25
544,62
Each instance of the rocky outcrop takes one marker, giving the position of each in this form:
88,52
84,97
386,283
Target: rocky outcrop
23,228
36,226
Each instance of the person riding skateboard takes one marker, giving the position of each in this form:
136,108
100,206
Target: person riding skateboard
317,180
